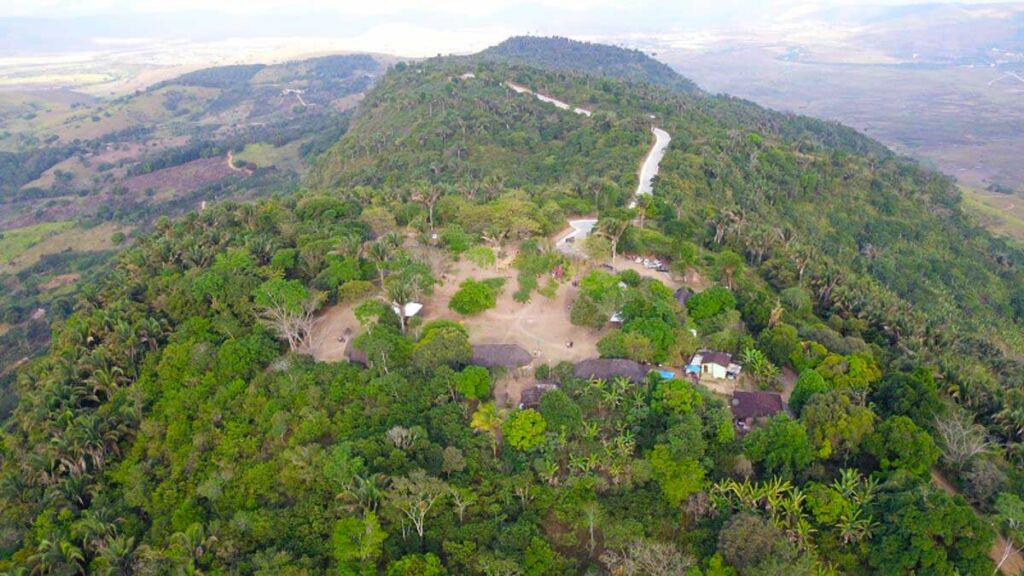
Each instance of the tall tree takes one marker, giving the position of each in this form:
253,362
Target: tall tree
613,229
489,419
415,495
290,309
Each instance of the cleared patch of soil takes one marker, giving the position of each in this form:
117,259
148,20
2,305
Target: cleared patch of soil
336,326
187,177
60,280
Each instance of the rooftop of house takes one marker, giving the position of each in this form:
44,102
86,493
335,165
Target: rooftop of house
530,397
712,357
608,368
500,356
755,404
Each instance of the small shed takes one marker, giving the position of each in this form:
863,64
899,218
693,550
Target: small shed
714,364
750,407
682,295
355,355
500,356
609,368
530,397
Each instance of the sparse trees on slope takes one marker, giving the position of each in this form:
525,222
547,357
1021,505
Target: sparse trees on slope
289,309
961,439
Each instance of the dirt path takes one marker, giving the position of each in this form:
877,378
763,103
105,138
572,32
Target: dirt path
651,162
1014,565
649,168
231,162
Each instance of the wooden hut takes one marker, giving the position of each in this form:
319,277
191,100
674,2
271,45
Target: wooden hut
507,356
610,368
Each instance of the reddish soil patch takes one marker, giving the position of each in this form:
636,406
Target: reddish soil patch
187,177
60,280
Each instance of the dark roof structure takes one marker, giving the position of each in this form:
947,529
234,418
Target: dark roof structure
755,404
682,295
530,397
500,356
714,357
608,368
355,355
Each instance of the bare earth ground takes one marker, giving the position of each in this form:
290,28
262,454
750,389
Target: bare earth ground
540,326
184,178
1014,565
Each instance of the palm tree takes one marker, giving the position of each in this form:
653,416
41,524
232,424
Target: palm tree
57,557
613,229
644,203
118,556
402,291
1011,417
488,418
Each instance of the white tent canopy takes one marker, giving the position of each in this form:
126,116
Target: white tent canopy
411,309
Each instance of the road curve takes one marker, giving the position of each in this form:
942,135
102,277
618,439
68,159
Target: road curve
648,170
650,167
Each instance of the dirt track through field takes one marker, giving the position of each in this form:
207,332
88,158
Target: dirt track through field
1014,564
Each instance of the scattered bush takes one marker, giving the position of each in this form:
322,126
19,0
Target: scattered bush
710,303
474,297
355,290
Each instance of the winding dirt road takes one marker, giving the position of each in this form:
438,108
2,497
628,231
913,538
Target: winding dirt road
649,169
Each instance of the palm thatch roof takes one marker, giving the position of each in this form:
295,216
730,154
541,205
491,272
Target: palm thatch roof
355,355
530,397
500,356
608,368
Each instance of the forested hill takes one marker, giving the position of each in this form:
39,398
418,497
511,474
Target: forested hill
180,424
565,55
879,240
887,237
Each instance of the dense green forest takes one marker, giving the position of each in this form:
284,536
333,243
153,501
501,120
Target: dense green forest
179,425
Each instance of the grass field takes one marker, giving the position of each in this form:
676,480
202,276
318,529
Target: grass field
22,247
1000,213
264,155
14,243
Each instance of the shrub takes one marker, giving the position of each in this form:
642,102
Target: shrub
354,290
474,382
482,256
457,241
710,303
473,297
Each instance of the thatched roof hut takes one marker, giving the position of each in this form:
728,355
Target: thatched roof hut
609,368
500,356
355,355
530,397
682,295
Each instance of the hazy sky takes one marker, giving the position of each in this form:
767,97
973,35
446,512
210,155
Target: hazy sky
409,27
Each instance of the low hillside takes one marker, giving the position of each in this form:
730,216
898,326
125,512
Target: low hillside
564,55
98,165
